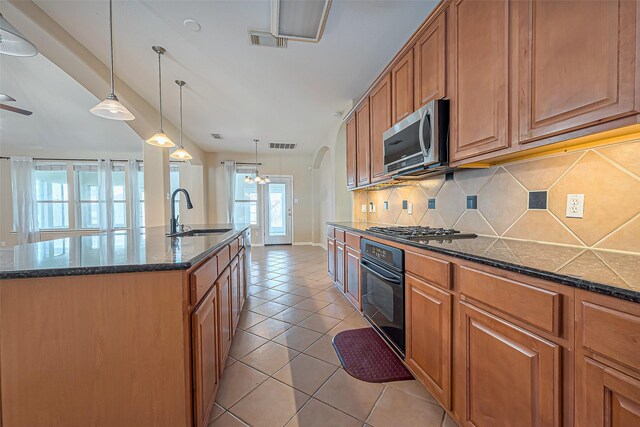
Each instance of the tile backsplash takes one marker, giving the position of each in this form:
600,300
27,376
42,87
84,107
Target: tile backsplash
526,199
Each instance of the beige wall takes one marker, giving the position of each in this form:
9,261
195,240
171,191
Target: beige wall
609,177
298,166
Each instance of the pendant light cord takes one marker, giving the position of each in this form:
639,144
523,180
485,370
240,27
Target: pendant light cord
113,93
160,86
180,116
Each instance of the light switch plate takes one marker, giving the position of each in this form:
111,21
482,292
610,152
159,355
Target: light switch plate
410,208
295,201
575,205
372,207
363,208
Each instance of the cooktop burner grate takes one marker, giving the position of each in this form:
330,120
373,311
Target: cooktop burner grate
420,232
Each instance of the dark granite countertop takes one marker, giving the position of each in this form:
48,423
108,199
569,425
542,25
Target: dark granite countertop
123,251
610,273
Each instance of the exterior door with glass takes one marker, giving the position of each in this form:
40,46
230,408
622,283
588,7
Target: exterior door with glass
278,215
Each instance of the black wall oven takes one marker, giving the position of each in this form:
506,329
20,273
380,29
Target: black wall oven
382,278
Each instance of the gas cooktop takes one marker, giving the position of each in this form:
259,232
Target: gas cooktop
422,233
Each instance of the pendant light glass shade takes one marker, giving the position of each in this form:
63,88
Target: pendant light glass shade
160,139
181,153
111,108
12,42
261,180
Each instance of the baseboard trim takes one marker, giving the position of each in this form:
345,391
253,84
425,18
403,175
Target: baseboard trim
302,244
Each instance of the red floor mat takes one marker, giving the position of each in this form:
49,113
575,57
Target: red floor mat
365,355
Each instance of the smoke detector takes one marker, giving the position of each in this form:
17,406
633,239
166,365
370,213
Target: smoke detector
216,136
265,38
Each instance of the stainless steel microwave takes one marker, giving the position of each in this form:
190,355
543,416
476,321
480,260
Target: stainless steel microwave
418,143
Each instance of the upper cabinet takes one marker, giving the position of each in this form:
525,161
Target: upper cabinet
380,105
363,144
430,62
577,65
352,134
479,47
402,88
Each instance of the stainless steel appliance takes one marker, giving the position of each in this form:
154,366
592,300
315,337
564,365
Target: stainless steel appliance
418,144
382,279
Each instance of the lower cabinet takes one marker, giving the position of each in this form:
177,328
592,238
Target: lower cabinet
331,258
242,266
223,284
428,336
352,277
236,305
513,376
340,257
206,372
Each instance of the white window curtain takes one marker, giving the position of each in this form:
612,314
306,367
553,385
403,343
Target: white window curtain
25,208
105,195
230,181
134,196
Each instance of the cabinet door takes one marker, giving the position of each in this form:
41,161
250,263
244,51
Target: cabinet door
480,70
352,147
242,259
577,65
352,277
380,100
339,279
430,63
363,144
609,398
204,325
235,293
224,313
428,322
402,88
512,376
331,258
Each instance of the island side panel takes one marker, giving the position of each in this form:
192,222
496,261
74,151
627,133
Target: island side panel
95,350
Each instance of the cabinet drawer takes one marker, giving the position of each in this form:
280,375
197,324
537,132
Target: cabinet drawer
223,258
340,235
536,306
234,247
429,269
353,241
203,278
330,232
612,333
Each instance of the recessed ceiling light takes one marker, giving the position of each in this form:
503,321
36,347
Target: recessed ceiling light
192,25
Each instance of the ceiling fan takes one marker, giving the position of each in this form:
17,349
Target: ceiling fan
6,98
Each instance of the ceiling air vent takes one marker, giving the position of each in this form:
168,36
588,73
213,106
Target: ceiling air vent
281,146
265,38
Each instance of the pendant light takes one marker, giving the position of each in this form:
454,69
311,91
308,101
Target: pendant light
257,179
111,108
160,139
12,42
181,153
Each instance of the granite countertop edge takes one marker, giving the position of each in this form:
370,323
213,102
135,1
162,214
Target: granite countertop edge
563,279
116,269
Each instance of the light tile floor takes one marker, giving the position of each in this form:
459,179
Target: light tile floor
282,369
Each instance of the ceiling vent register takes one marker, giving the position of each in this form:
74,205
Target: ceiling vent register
281,146
265,38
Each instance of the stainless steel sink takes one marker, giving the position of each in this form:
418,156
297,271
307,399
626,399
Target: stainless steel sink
201,232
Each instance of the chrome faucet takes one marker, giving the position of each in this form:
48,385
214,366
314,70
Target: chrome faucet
173,222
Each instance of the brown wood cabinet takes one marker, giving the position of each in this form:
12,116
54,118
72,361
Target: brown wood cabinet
235,293
430,62
340,270
331,258
225,294
242,263
352,288
512,375
479,46
428,336
577,65
363,144
206,368
402,88
380,100
608,366
352,148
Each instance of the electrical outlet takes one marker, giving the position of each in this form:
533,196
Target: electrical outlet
363,208
372,207
575,205
3,244
410,208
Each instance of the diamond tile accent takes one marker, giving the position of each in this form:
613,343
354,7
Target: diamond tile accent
626,155
541,174
501,211
540,225
451,202
472,180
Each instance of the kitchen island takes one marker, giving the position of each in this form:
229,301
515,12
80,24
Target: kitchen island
122,328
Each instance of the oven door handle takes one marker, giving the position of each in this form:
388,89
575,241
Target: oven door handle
379,275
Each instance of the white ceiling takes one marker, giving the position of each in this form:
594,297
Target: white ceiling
237,90
61,120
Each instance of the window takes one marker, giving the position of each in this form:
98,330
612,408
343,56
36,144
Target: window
174,183
88,198
141,191
52,196
246,206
